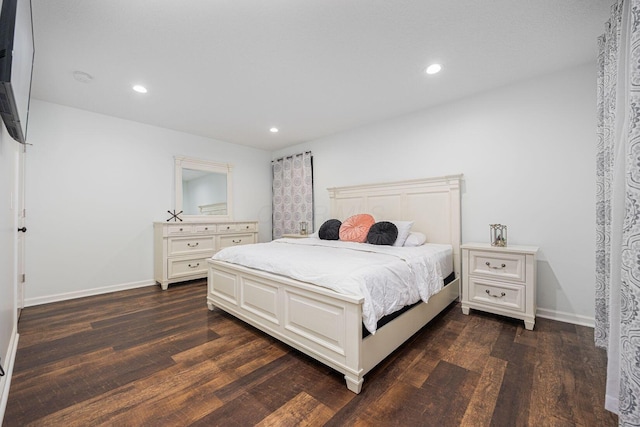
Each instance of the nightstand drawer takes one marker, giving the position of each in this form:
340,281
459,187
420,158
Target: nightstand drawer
509,266
504,295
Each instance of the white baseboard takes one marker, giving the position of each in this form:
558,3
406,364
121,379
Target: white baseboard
28,302
561,316
5,381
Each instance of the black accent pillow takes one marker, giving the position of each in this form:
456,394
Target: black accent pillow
330,230
382,233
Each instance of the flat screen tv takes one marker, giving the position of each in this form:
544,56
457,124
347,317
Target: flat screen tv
16,65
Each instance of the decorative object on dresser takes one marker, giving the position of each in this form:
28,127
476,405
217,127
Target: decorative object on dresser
181,250
174,216
500,280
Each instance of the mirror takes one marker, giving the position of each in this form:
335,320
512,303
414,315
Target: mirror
203,189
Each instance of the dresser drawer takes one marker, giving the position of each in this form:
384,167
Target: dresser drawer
510,266
237,227
246,226
178,229
204,228
498,294
226,228
187,245
186,267
235,240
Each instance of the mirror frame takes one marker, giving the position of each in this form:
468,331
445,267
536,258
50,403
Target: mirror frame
205,166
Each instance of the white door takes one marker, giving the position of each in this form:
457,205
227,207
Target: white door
20,172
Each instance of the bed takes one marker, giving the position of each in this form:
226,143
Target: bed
328,325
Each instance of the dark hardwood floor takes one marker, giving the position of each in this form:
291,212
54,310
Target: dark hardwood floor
145,357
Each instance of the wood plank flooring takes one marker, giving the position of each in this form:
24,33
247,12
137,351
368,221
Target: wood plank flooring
145,357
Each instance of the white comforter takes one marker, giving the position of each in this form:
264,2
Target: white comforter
388,277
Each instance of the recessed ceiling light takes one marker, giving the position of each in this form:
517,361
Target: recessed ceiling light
434,68
82,77
140,89
274,130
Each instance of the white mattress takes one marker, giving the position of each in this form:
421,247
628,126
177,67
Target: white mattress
387,277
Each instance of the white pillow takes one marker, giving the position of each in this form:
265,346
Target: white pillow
404,227
415,239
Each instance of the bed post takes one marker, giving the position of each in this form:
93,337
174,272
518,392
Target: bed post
354,373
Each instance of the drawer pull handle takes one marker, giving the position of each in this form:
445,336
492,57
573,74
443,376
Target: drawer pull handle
181,229
198,265
497,268
237,241
193,246
502,294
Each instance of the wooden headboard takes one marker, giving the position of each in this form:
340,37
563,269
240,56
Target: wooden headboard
433,204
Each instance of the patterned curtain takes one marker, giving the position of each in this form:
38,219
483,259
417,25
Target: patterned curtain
292,194
617,327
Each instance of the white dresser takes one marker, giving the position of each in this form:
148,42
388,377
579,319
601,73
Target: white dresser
500,280
181,249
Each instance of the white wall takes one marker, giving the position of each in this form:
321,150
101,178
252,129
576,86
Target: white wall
528,155
94,186
8,226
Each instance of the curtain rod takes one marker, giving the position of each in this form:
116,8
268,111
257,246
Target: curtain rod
292,156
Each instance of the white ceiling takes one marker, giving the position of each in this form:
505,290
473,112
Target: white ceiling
231,69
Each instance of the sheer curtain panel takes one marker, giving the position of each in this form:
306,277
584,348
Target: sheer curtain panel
617,326
292,193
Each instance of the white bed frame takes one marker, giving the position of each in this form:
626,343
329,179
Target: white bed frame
327,325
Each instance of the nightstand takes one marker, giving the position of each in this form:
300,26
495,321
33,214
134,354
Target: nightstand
500,280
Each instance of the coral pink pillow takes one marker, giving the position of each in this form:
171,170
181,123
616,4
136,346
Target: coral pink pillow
356,227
